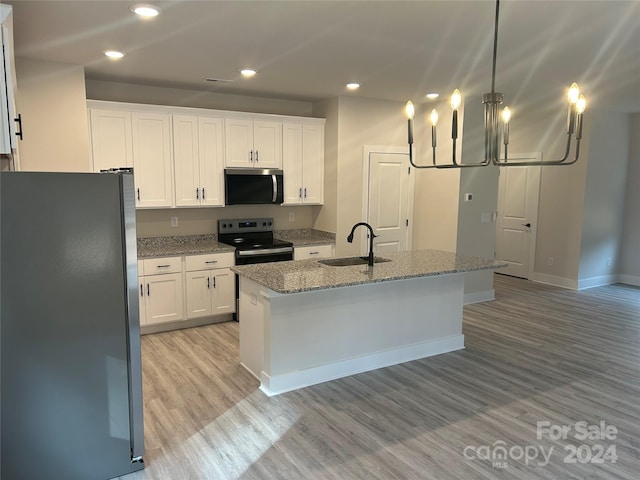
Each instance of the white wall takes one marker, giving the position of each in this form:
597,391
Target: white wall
360,122
325,217
604,199
630,258
154,95
51,99
195,221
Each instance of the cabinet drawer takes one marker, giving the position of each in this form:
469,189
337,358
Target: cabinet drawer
209,261
156,266
318,251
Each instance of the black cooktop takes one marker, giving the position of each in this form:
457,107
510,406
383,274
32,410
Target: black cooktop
249,233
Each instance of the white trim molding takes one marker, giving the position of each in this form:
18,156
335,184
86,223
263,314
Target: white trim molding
597,281
555,281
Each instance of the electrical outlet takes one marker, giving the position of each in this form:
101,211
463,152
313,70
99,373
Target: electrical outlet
292,217
550,261
174,221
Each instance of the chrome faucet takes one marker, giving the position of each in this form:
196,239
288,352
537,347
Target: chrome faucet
371,237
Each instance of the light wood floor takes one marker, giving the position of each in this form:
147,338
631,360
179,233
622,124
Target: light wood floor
537,353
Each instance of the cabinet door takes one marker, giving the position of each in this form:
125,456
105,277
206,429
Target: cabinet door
199,288
164,301
110,139
211,149
224,291
238,136
313,164
267,144
152,160
7,88
292,162
186,158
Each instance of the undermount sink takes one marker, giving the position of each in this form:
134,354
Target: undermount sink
350,261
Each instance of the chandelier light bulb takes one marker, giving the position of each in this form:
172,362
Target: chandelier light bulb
434,117
506,115
581,104
410,110
456,99
574,93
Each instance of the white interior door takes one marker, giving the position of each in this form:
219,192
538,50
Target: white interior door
389,200
518,195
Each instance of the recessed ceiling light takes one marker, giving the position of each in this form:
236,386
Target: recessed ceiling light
114,54
247,72
147,11
432,96
353,86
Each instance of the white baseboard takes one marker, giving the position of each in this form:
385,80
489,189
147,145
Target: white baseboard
287,382
597,281
555,281
630,280
478,297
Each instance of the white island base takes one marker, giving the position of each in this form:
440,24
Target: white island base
290,341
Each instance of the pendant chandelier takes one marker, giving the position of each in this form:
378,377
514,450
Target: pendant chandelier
492,130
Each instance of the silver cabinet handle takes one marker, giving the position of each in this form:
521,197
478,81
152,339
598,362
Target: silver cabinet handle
214,282
257,159
251,156
203,195
211,261
300,193
138,190
148,290
208,283
164,266
141,290
314,253
305,192
197,194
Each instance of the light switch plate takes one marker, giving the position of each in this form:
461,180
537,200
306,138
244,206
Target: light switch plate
468,197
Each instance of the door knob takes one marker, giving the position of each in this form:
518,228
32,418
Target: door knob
528,225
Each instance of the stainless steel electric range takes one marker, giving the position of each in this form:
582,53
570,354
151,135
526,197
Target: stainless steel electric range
253,240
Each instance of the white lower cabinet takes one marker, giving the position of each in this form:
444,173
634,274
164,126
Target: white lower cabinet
161,291
210,285
317,251
210,292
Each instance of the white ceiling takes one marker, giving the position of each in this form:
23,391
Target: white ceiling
309,50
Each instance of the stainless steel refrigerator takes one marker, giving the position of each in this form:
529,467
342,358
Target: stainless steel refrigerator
71,380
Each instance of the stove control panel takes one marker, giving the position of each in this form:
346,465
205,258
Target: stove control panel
244,225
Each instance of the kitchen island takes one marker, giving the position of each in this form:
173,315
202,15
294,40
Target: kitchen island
304,322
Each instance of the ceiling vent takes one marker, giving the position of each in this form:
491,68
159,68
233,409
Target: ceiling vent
216,80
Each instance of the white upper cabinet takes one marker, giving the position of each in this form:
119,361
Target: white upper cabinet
303,163
253,143
8,125
152,159
110,139
142,140
199,160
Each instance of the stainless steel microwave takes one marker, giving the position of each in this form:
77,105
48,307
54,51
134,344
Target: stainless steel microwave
253,186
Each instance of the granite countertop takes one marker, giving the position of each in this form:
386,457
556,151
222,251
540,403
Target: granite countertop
308,275
198,244
305,237
180,245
